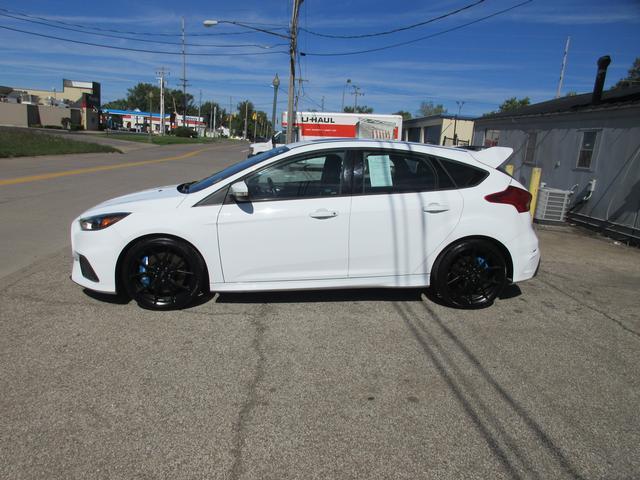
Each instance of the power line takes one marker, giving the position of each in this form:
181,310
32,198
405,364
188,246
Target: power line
130,32
120,37
158,52
415,40
399,29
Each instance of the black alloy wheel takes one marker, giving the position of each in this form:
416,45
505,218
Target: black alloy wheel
163,274
471,274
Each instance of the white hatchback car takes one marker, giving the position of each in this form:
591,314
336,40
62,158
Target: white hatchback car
317,215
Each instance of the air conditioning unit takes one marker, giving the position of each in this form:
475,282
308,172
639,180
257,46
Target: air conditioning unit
553,204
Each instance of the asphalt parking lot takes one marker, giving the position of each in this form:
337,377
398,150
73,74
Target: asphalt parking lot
330,384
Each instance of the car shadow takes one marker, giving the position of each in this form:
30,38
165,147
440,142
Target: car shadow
310,296
116,299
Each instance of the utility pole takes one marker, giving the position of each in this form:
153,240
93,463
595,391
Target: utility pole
230,114
161,74
210,123
343,91
255,126
246,114
460,104
564,64
276,84
293,49
150,116
215,112
322,103
184,79
356,93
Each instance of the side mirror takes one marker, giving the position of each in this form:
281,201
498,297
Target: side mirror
240,191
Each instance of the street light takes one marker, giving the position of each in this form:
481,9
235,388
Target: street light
276,85
293,46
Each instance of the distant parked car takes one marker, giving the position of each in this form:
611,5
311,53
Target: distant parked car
315,215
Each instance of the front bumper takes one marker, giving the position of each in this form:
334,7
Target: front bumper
95,255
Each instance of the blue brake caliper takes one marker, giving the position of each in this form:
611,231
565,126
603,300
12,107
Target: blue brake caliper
482,262
144,280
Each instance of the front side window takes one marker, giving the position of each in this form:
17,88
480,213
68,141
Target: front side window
316,175
385,172
585,158
196,186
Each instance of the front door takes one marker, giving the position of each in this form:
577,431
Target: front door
295,225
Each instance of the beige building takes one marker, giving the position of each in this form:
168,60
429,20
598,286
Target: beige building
440,129
77,103
71,92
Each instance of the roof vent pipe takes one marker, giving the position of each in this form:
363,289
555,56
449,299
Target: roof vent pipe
603,64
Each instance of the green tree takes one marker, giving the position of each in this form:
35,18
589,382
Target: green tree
358,109
405,115
119,104
237,122
222,117
428,108
633,76
138,97
513,103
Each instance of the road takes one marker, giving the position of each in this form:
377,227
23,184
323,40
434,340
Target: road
371,384
40,196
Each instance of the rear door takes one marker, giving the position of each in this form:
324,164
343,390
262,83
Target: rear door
404,206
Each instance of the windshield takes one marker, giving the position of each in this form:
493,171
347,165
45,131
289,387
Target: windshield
229,171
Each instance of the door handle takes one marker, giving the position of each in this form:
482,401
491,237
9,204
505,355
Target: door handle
436,208
323,213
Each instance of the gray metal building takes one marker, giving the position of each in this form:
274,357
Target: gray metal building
589,143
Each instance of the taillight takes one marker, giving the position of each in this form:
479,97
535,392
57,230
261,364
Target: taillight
519,198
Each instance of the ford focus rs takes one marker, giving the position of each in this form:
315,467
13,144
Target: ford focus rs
317,215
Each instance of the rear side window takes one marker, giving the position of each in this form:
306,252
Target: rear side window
464,175
397,172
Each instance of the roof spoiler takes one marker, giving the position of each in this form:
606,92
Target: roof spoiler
493,157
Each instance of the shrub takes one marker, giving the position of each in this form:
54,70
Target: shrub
185,132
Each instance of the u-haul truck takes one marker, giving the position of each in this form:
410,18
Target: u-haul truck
319,125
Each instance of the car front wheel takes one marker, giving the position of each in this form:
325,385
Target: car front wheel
470,274
163,273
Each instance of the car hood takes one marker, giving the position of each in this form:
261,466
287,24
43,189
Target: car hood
154,198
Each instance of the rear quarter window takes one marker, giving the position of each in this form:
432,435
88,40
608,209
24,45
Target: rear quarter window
464,176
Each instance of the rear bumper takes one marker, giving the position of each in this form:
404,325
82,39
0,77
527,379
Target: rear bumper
526,259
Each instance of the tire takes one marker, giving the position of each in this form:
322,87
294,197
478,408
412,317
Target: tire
163,274
470,274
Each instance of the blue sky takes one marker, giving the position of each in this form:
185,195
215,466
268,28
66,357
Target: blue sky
518,53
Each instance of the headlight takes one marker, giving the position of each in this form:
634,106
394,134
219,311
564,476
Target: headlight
99,222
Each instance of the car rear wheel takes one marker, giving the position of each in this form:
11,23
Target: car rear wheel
470,274
163,274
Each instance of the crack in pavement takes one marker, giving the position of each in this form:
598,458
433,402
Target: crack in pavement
251,401
590,307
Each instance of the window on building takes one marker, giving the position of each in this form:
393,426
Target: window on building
491,138
530,154
585,158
